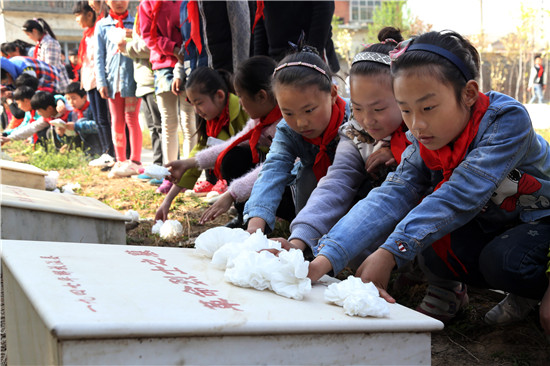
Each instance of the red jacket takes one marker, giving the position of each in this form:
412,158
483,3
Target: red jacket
168,31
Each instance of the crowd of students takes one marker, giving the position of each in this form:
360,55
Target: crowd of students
418,166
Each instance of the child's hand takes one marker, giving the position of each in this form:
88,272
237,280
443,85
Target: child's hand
128,33
104,92
254,224
318,268
4,140
60,131
377,158
178,167
122,45
377,269
60,108
293,244
544,311
162,212
177,86
219,207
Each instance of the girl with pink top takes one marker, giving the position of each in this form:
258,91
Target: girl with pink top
159,24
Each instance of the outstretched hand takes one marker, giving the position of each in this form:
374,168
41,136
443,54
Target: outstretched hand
377,269
222,205
178,167
380,157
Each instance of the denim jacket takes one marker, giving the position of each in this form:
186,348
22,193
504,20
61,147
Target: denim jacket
277,171
503,179
110,63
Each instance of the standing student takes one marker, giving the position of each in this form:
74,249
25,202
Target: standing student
312,112
115,82
87,18
221,116
47,48
536,80
481,175
369,143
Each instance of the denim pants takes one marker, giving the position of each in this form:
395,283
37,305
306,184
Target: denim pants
537,93
100,111
514,260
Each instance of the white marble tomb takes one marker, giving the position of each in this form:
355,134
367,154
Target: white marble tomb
31,214
22,175
74,304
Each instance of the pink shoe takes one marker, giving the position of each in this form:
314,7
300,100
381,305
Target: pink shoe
220,186
164,188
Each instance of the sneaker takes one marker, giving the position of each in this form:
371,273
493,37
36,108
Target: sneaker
164,188
443,304
156,182
124,169
203,187
220,186
103,161
512,309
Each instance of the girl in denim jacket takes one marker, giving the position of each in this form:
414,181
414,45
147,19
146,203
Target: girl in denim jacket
312,112
481,175
115,82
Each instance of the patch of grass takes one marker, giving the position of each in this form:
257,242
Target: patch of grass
544,133
50,159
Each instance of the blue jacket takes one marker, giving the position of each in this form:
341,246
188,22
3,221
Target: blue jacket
277,172
505,176
191,53
111,65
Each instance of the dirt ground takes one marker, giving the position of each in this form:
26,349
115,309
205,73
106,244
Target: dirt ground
467,340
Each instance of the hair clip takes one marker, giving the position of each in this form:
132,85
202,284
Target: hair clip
372,56
301,63
400,49
389,40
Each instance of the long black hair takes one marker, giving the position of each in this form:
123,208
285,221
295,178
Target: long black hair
40,25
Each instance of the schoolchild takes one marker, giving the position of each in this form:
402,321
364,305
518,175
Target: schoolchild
87,18
480,173
47,48
115,82
312,114
370,142
220,116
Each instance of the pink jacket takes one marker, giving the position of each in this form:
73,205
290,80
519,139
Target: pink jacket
168,31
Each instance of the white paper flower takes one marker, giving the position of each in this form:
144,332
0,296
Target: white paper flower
132,216
156,228
170,229
213,239
290,279
51,180
156,171
357,298
250,270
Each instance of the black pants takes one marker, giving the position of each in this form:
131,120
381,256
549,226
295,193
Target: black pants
151,112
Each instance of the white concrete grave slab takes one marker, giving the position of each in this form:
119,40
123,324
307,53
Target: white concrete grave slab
74,304
31,214
22,175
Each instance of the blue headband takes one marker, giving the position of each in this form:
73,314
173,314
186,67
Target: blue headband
443,53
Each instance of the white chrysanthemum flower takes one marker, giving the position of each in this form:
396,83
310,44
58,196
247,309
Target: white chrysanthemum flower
156,171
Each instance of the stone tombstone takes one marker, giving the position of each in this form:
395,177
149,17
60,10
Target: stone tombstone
22,175
31,214
74,304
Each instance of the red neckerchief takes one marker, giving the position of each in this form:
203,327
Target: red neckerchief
541,70
36,48
399,142
253,136
193,19
214,126
64,117
80,112
118,18
259,13
447,159
322,160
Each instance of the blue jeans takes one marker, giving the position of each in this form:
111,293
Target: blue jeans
513,261
100,111
537,93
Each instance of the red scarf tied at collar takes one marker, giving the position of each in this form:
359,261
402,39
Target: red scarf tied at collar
447,159
214,126
322,160
36,48
399,142
118,18
253,135
80,112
